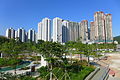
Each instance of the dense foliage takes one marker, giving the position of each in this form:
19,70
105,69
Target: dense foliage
59,66
9,62
68,72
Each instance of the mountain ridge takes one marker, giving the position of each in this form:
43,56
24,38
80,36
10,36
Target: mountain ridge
117,38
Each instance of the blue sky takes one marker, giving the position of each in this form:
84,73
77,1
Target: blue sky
27,13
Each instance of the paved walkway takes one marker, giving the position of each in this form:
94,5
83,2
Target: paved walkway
113,78
99,74
103,70
114,63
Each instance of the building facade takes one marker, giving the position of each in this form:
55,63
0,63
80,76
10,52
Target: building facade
103,27
83,30
10,33
40,31
92,31
46,29
57,30
31,35
73,31
108,28
65,31
99,26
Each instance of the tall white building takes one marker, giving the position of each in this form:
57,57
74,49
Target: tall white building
16,34
10,33
65,31
57,30
36,38
39,31
21,34
31,35
26,36
46,29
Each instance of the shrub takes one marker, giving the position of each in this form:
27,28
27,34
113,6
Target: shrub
9,62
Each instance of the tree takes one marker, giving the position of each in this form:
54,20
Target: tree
11,49
70,46
89,50
79,46
2,40
50,51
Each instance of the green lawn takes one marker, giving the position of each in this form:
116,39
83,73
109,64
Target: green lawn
61,75
82,74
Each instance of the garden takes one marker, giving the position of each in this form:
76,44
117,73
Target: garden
59,66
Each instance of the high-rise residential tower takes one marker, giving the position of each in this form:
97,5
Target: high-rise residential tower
83,30
57,30
103,27
92,31
16,34
108,28
39,31
31,35
73,31
10,33
46,29
99,26
26,36
21,34
65,31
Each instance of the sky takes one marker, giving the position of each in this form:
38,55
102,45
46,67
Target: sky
28,13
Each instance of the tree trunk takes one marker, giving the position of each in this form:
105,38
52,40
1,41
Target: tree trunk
88,61
71,57
51,72
81,58
15,70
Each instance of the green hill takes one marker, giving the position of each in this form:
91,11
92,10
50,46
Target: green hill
117,38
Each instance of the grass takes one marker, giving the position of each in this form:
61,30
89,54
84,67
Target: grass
78,75
82,74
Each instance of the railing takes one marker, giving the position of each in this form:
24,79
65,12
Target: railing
105,74
91,75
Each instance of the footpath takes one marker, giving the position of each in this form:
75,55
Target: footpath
101,73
